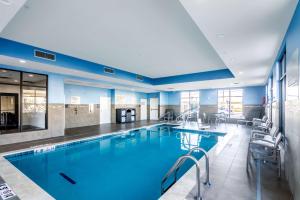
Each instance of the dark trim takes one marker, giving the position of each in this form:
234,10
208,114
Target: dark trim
20,105
35,86
46,117
9,84
16,95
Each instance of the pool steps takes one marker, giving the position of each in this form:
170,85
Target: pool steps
180,161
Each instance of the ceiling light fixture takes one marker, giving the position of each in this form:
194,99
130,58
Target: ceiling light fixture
22,61
3,71
16,81
241,72
30,75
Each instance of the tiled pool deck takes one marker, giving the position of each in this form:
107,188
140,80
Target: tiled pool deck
229,177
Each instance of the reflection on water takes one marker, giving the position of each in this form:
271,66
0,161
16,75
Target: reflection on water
189,140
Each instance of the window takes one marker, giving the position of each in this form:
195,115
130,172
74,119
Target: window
189,100
23,101
34,108
230,102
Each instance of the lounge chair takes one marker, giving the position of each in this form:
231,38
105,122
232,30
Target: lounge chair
258,134
263,126
267,150
258,122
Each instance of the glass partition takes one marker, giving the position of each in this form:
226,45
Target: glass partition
23,101
34,108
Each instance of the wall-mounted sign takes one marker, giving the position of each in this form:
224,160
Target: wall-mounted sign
75,100
6,192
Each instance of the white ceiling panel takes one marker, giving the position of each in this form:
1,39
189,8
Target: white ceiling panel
152,38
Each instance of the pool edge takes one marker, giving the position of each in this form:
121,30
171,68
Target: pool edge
184,186
27,189
17,185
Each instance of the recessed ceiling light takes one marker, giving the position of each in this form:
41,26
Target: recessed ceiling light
30,75
3,71
220,35
22,61
16,81
241,72
6,2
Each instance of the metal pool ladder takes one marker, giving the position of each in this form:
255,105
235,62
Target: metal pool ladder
180,161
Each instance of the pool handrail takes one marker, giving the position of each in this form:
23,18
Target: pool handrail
174,169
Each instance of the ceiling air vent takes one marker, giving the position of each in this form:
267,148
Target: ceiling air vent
139,77
44,55
109,70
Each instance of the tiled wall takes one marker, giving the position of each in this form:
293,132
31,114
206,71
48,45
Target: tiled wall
254,111
82,115
208,109
290,46
162,110
176,108
56,127
292,155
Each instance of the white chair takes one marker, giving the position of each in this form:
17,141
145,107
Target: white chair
258,122
267,150
259,134
263,126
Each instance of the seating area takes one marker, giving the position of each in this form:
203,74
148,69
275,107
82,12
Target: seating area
149,99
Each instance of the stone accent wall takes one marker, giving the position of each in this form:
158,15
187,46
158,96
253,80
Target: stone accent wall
162,110
253,111
148,111
292,158
176,109
208,109
80,115
56,127
137,108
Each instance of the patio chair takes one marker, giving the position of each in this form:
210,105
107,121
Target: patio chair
258,122
271,133
204,118
168,116
248,119
221,117
266,150
263,126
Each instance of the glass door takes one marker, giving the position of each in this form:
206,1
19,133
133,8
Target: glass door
9,114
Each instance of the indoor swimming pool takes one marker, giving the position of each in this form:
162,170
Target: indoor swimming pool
123,166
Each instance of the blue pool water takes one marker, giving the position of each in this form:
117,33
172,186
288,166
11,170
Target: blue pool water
123,167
